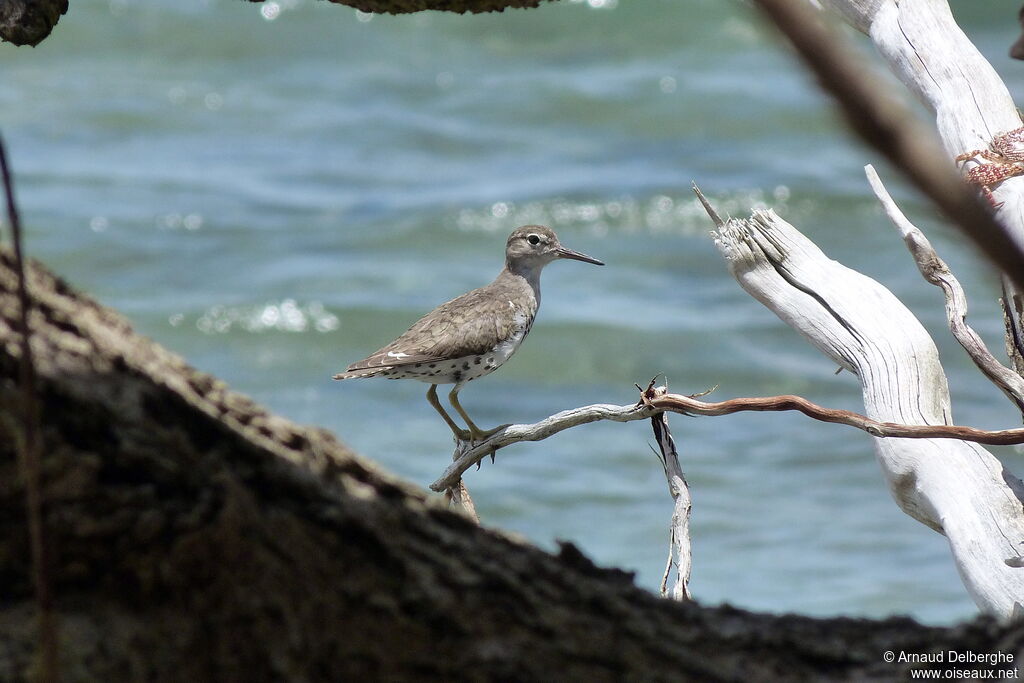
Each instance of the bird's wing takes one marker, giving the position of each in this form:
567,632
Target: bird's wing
472,324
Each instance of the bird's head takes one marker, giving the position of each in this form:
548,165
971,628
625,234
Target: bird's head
532,247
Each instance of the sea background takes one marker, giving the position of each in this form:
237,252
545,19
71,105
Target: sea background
274,191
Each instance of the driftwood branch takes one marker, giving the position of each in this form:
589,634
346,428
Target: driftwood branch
923,46
458,496
953,486
927,50
648,407
935,271
469,454
680,555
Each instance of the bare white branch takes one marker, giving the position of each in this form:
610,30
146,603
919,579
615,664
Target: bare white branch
923,46
935,271
680,554
468,454
955,487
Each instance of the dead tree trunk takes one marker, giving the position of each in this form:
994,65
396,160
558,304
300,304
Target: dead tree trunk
195,536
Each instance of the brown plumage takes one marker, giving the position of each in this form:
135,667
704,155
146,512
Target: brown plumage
472,335
470,325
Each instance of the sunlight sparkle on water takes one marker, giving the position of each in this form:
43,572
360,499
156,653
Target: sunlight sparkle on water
177,221
285,316
270,10
680,214
213,101
598,4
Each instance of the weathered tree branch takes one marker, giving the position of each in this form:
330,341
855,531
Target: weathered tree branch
203,538
954,487
458,496
924,48
680,555
935,271
964,493
468,454
927,50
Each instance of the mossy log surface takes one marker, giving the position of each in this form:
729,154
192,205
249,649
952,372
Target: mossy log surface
196,536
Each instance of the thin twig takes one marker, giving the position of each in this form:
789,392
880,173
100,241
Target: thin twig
459,495
468,454
30,446
935,271
888,126
471,454
679,550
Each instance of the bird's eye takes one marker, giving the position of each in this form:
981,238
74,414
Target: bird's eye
533,239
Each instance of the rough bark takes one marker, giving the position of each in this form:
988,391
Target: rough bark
196,536
27,22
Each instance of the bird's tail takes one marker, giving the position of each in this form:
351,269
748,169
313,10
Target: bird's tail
361,372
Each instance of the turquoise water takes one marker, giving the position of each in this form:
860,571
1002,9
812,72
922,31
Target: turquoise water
275,190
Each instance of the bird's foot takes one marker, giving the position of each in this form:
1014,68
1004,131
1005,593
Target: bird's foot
481,434
475,435
462,434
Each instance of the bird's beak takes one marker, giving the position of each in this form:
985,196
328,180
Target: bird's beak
562,252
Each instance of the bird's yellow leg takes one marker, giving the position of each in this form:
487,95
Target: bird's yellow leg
476,433
459,432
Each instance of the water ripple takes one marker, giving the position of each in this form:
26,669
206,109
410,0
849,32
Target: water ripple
677,213
284,316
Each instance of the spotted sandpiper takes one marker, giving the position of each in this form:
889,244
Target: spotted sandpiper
472,335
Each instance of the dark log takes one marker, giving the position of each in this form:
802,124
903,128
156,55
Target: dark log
28,22
458,6
195,536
